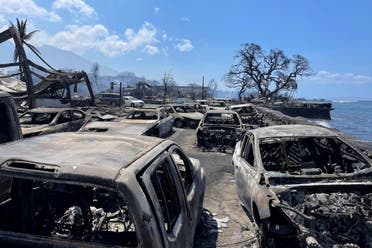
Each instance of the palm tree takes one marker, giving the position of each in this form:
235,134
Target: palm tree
21,27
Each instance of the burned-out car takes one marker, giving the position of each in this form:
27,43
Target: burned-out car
217,105
219,128
184,115
305,186
159,123
250,116
40,121
98,190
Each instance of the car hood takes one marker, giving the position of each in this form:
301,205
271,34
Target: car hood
219,128
134,121
192,116
32,128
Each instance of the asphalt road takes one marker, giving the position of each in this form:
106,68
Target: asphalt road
224,223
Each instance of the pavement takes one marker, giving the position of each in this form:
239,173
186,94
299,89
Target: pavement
224,222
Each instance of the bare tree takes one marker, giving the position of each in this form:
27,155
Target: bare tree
95,72
166,81
212,87
269,73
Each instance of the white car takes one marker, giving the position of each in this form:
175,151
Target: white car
130,101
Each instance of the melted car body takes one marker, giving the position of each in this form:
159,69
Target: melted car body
184,115
219,128
98,190
159,123
250,116
40,121
305,184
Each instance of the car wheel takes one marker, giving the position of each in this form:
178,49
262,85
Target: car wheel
178,123
132,105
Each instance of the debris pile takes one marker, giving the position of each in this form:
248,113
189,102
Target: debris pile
335,219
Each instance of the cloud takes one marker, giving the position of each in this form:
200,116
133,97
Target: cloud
139,59
339,78
185,19
164,36
80,39
151,50
27,8
74,6
184,45
156,10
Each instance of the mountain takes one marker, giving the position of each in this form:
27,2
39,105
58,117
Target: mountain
66,60
127,78
62,59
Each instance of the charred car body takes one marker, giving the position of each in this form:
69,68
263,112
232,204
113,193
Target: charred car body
217,105
251,118
40,121
184,115
219,128
159,123
305,184
98,190
10,128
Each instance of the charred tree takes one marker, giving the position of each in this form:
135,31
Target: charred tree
269,73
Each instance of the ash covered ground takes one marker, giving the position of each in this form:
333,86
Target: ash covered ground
224,222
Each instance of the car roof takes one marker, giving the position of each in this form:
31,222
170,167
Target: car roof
242,105
221,111
117,127
82,156
180,104
147,109
49,110
293,131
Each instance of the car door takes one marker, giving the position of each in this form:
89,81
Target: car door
246,171
162,182
191,181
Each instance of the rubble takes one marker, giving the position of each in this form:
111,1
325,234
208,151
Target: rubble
334,219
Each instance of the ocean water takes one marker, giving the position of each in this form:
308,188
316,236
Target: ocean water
351,117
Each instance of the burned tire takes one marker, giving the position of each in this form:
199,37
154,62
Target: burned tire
178,123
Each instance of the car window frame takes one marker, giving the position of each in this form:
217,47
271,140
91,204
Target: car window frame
153,198
189,164
249,140
60,116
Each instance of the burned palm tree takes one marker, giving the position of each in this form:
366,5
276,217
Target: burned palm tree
25,38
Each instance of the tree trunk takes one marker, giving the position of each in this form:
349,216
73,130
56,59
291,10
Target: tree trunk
25,67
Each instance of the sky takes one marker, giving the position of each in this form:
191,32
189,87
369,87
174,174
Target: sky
192,39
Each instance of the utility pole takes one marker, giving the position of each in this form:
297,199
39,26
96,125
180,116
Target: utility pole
203,88
120,93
